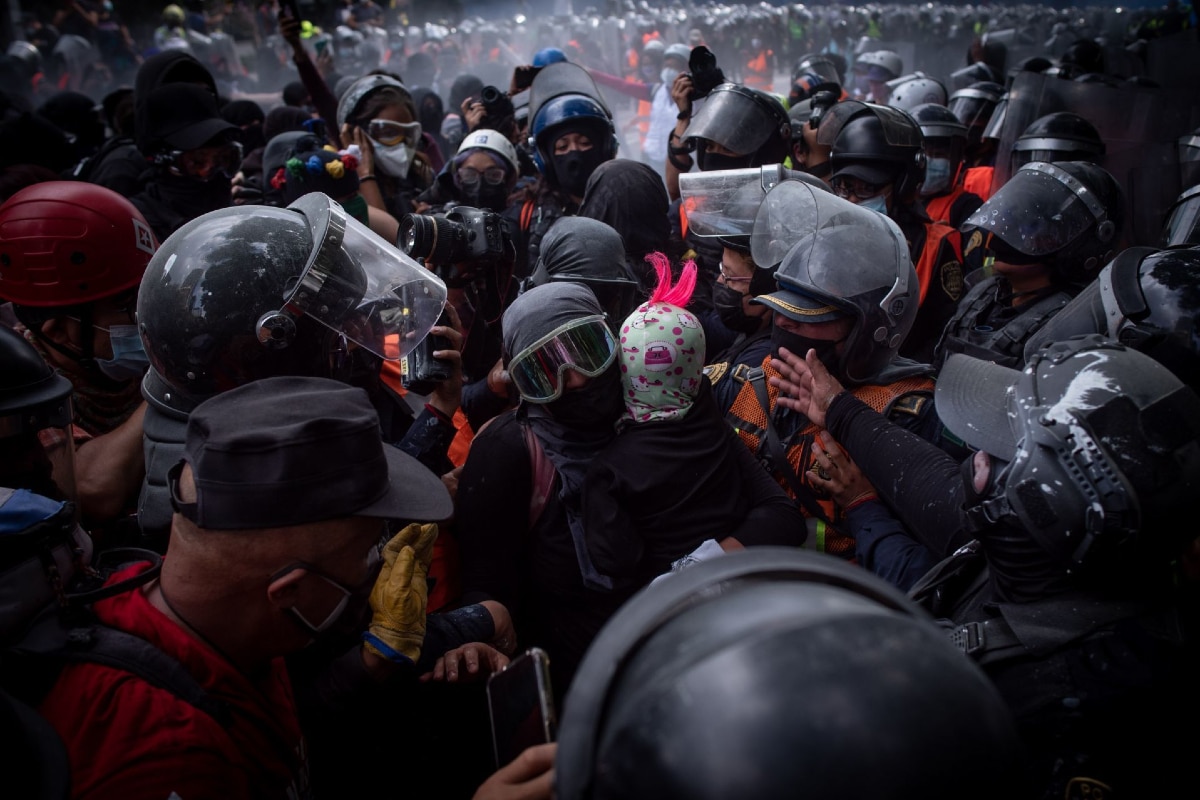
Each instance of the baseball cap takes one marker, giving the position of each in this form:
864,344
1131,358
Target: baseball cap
184,115
292,450
796,305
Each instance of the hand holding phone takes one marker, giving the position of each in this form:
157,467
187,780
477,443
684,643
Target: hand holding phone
521,705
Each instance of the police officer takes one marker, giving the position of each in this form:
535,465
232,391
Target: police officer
943,191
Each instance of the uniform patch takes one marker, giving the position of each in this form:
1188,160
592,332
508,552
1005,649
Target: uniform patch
1087,789
910,404
716,371
952,279
143,239
975,240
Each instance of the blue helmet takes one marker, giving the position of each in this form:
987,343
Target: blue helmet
548,55
562,114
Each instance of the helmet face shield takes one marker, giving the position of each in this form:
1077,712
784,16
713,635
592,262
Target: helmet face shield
1036,213
735,118
360,286
1183,221
725,202
585,345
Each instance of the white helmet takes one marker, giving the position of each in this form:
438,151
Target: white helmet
491,140
886,59
910,91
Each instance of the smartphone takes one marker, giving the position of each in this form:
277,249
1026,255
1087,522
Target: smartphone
521,706
523,77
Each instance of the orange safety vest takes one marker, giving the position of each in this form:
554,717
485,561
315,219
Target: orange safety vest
758,71
927,264
938,208
749,421
979,181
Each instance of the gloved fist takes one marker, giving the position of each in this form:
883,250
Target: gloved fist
397,628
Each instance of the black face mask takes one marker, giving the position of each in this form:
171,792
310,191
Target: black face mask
728,303
596,406
710,162
573,168
800,345
485,195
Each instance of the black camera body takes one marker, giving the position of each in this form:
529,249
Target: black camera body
705,74
821,102
465,234
496,105
420,372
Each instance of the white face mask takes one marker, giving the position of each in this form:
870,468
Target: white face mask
668,75
394,160
937,176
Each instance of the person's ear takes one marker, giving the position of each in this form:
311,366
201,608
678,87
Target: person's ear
57,330
284,591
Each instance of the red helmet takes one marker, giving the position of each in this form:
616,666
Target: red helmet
68,242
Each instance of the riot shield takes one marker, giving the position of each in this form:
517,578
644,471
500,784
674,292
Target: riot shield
1139,125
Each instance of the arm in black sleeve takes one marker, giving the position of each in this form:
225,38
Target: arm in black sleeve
916,478
480,403
492,513
428,440
774,518
883,546
612,538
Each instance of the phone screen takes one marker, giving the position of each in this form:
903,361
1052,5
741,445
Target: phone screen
521,706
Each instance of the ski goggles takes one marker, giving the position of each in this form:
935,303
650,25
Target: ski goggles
389,133
585,345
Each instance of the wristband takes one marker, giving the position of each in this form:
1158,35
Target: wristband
682,166
381,648
683,115
366,178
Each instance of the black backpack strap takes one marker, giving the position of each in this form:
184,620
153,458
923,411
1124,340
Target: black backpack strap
53,638
775,452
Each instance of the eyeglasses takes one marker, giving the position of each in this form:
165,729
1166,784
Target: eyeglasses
389,134
493,175
585,345
206,162
725,276
845,187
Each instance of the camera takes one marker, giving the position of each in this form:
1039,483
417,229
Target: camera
496,105
821,102
463,234
420,372
705,74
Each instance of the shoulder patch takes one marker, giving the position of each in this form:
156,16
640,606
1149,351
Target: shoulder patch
952,278
1087,789
910,404
716,371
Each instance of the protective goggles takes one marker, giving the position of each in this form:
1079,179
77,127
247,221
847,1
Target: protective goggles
389,133
204,163
493,175
585,345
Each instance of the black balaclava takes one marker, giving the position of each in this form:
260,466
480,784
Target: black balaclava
587,251
631,198
573,169
800,345
170,66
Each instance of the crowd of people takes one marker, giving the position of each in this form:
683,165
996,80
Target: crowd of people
822,402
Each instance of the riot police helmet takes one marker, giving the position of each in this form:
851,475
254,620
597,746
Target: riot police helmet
1061,136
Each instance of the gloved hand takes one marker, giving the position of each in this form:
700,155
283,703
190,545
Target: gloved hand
397,628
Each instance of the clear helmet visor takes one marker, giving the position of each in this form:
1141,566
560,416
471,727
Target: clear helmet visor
37,450
722,203
361,286
1035,213
1183,222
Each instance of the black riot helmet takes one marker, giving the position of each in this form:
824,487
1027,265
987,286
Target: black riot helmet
1189,159
1061,136
945,139
974,106
745,121
838,259
1102,445
37,450
1068,215
777,672
877,144
1145,298
1182,226
240,294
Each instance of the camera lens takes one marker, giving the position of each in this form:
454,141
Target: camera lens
489,95
418,235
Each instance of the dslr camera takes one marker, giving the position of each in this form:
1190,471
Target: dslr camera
704,72
496,105
821,102
464,234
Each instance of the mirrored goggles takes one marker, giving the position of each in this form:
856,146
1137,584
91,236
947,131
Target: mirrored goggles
389,133
585,345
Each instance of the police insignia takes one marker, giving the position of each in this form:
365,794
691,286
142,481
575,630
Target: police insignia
952,279
975,240
716,371
1087,789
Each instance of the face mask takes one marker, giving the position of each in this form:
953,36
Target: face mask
573,168
484,195
709,162
937,176
348,617
595,406
728,303
394,160
668,75
129,359
357,208
876,203
800,345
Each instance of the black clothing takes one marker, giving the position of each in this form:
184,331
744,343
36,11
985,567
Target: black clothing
118,165
663,487
168,202
631,198
727,370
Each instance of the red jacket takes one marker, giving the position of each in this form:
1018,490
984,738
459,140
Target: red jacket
128,739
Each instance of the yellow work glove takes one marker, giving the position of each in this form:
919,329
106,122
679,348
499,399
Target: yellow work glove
397,628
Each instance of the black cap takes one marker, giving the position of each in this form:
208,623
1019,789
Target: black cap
185,116
293,450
